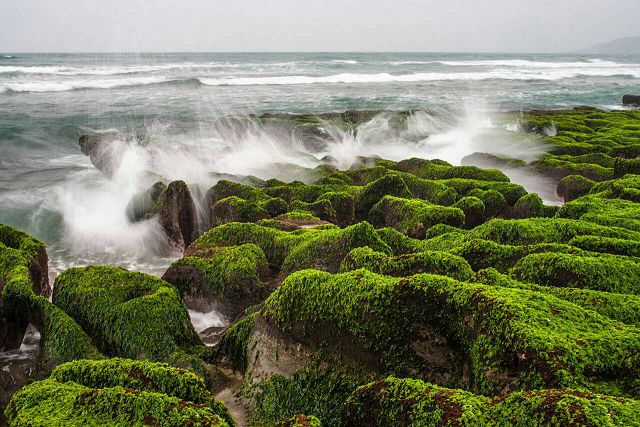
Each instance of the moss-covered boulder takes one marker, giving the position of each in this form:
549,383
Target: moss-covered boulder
486,339
127,314
322,248
413,217
473,209
573,186
407,402
117,392
235,209
432,262
227,279
622,307
23,259
545,230
530,206
604,273
388,185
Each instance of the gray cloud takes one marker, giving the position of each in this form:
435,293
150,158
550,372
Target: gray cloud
302,25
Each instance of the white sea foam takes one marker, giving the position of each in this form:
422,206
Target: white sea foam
417,77
67,85
202,321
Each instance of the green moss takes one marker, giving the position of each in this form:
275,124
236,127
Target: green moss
316,393
299,216
321,248
413,217
623,167
398,242
622,307
573,186
232,346
427,169
494,202
327,248
431,262
607,245
486,253
388,185
126,314
530,338
408,402
544,230
611,274
301,420
321,209
62,340
232,276
473,210
343,204
531,206
52,403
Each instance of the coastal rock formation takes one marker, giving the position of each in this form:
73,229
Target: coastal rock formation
177,214
130,315
227,279
174,207
407,402
104,150
631,100
22,259
395,293
117,392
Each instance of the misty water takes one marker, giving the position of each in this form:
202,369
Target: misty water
164,108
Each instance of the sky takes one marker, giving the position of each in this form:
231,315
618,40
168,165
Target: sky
313,25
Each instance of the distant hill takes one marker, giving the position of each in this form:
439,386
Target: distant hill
623,46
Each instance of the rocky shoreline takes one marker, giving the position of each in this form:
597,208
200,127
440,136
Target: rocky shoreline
411,293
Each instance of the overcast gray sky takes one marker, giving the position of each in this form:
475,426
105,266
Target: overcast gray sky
316,25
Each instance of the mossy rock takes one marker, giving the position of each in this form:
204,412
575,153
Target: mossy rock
611,273
126,314
408,402
432,262
487,253
545,230
413,217
622,307
473,209
432,326
235,209
117,392
23,262
388,185
320,248
573,186
227,279
530,206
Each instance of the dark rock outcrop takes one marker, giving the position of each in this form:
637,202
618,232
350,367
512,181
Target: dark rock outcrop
104,150
177,214
633,100
174,207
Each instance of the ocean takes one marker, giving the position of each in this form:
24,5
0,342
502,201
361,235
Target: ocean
171,101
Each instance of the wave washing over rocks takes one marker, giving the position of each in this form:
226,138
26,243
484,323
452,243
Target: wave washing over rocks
364,268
